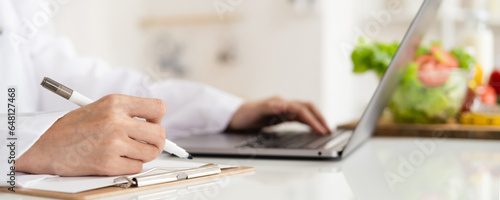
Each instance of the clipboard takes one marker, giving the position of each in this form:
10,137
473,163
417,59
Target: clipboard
149,177
144,181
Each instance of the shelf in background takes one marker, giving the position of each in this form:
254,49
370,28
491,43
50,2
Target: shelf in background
452,130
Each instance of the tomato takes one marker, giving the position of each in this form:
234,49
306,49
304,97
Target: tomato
487,94
434,68
433,74
444,57
424,59
495,81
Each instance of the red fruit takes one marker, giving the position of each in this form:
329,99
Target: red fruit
433,74
424,59
495,81
444,57
487,94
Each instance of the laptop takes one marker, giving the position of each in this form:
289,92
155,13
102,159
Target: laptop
332,146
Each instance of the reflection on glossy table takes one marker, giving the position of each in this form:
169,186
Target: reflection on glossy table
383,168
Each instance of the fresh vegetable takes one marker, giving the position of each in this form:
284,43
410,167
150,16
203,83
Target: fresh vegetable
495,81
415,102
374,56
444,57
433,67
487,94
478,77
432,74
434,86
465,60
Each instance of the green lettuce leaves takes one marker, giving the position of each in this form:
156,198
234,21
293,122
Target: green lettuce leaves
413,102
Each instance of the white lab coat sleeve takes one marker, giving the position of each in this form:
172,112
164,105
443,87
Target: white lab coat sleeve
192,108
28,128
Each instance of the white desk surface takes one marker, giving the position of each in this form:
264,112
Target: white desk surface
455,169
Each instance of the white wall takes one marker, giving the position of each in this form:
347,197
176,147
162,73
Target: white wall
104,29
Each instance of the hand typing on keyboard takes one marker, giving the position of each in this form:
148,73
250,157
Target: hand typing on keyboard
255,115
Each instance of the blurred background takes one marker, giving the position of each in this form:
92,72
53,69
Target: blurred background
297,49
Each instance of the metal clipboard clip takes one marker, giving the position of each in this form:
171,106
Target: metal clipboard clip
146,178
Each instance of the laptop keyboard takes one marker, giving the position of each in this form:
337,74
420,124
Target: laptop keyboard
289,141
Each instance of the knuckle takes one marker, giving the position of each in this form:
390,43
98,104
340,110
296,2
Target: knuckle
108,118
161,132
150,153
276,98
309,104
161,105
113,143
275,102
161,145
109,123
113,101
158,128
303,111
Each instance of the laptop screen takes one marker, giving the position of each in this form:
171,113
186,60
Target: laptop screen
389,82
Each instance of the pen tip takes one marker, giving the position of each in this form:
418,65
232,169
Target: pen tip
190,157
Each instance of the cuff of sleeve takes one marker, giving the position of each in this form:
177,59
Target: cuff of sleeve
29,128
32,126
223,109
211,114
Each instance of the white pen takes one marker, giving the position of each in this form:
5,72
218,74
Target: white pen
81,100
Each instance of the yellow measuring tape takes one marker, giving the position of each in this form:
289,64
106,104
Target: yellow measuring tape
480,119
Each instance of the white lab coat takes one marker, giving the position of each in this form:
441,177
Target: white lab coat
30,51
